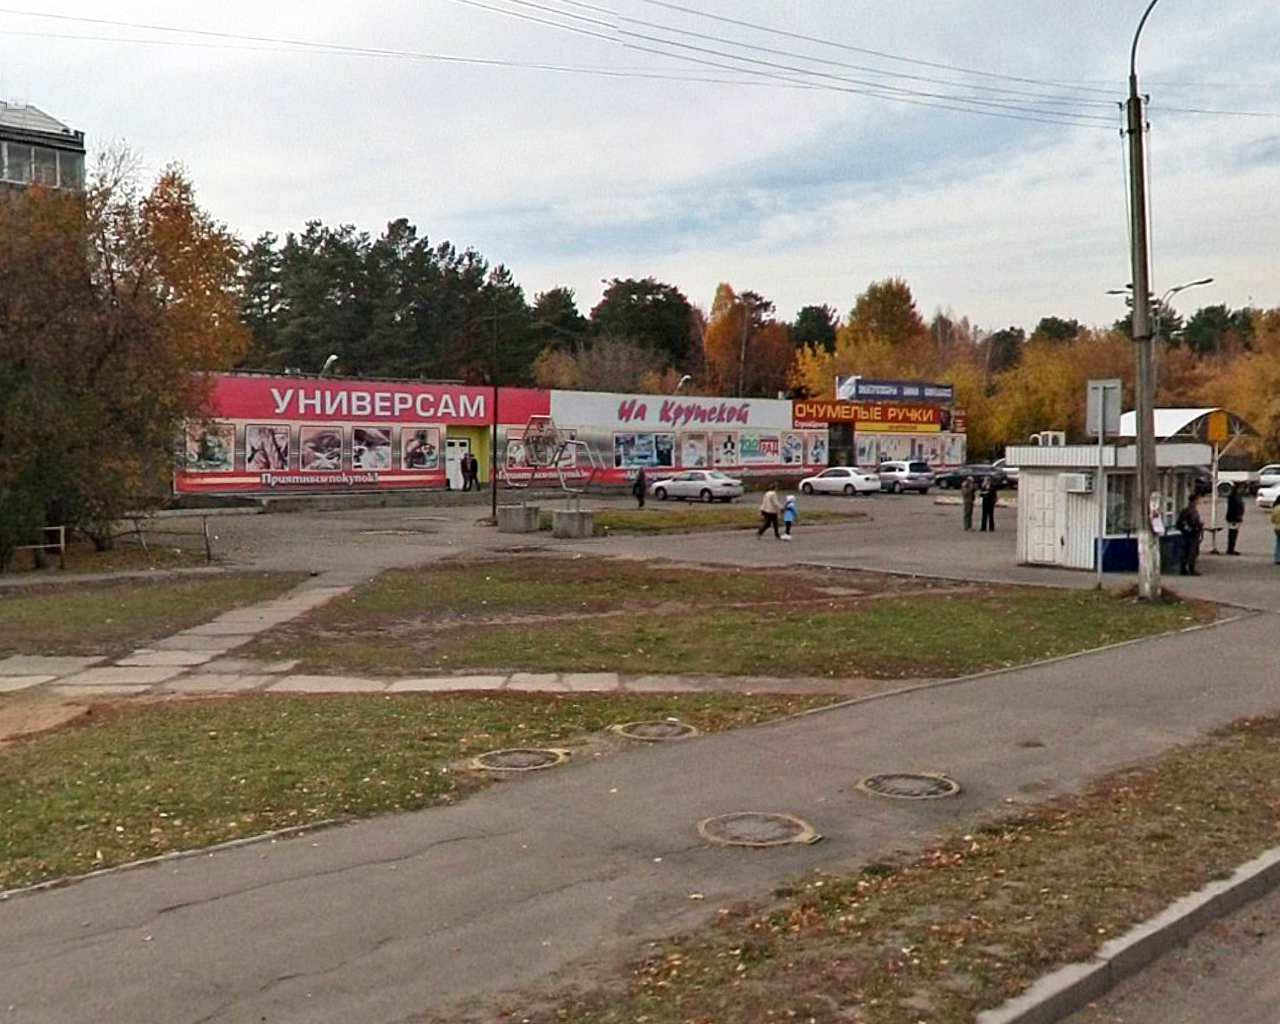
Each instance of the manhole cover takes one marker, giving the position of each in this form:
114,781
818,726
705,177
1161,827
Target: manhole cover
752,828
520,759
908,786
655,732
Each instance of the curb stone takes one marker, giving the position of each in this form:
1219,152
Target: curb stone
1073,987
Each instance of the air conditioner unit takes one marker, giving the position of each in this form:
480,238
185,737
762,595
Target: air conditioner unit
1076,483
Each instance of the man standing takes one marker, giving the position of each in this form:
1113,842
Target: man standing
968,492
988,506
770,506
473,470
1191,526
638,488
1235,516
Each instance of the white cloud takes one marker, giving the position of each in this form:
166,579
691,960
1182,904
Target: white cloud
803,195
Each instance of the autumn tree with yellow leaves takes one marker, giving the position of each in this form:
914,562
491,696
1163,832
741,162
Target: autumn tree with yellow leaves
112,305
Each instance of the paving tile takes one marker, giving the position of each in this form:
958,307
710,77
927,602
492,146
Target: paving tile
444,684
91,692
202,682
581,682
166,659
536,681
658,684
42,664
12,684
327,684
249,666
113,675
188,641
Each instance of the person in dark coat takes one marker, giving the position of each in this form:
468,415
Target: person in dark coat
638,488
988,506
968,492
1191,526
1235,516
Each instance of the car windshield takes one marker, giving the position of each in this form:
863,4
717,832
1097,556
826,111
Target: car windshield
715,474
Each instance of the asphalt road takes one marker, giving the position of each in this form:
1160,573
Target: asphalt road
382,920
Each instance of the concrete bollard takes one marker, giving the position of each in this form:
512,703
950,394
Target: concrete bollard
518,518
573,524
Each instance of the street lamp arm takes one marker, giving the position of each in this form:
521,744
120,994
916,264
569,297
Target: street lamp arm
1133,52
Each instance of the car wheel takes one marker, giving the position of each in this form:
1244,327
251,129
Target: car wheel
806,488
706,496
896,487
848,490
660,493
924,490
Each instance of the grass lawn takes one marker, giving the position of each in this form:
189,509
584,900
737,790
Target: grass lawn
135,781
553,614
112,617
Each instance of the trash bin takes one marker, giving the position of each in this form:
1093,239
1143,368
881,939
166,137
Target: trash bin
1171,552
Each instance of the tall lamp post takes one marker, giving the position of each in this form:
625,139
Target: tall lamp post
1149,499
493,428
1156,324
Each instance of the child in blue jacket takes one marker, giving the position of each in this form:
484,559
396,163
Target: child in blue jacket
789,516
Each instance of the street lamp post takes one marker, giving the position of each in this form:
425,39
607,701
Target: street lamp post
1157,325
493,428
1149,499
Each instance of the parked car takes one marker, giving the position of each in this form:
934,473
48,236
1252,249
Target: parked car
1010,472
842,480
703,484
1267,496
898,476
1269,476
980,471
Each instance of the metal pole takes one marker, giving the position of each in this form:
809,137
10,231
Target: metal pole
1149,499
493,428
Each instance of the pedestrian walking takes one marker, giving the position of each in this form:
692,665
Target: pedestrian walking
988,507
473,471
1191,526
770,508
790,516
1235,516
464,467
968,494
638,488
1275,525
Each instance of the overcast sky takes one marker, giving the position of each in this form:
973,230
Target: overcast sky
798,148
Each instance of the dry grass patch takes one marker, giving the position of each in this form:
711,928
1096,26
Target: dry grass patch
554,614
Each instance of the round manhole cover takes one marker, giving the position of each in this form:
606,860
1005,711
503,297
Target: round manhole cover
752,828
908,786
520,759
655,732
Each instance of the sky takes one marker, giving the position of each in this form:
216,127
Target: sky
802,149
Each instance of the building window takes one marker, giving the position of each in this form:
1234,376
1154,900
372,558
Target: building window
71,170
1121,491
44,166
17,163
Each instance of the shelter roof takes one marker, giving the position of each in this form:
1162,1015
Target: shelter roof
1185,424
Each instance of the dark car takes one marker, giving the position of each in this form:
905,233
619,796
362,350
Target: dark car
980,471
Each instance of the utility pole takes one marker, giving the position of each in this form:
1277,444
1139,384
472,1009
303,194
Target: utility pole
1149,498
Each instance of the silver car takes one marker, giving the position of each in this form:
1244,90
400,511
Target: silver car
909,475
703,484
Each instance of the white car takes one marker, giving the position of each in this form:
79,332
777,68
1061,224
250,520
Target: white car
1267,496
842,480
703,484
1269,476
